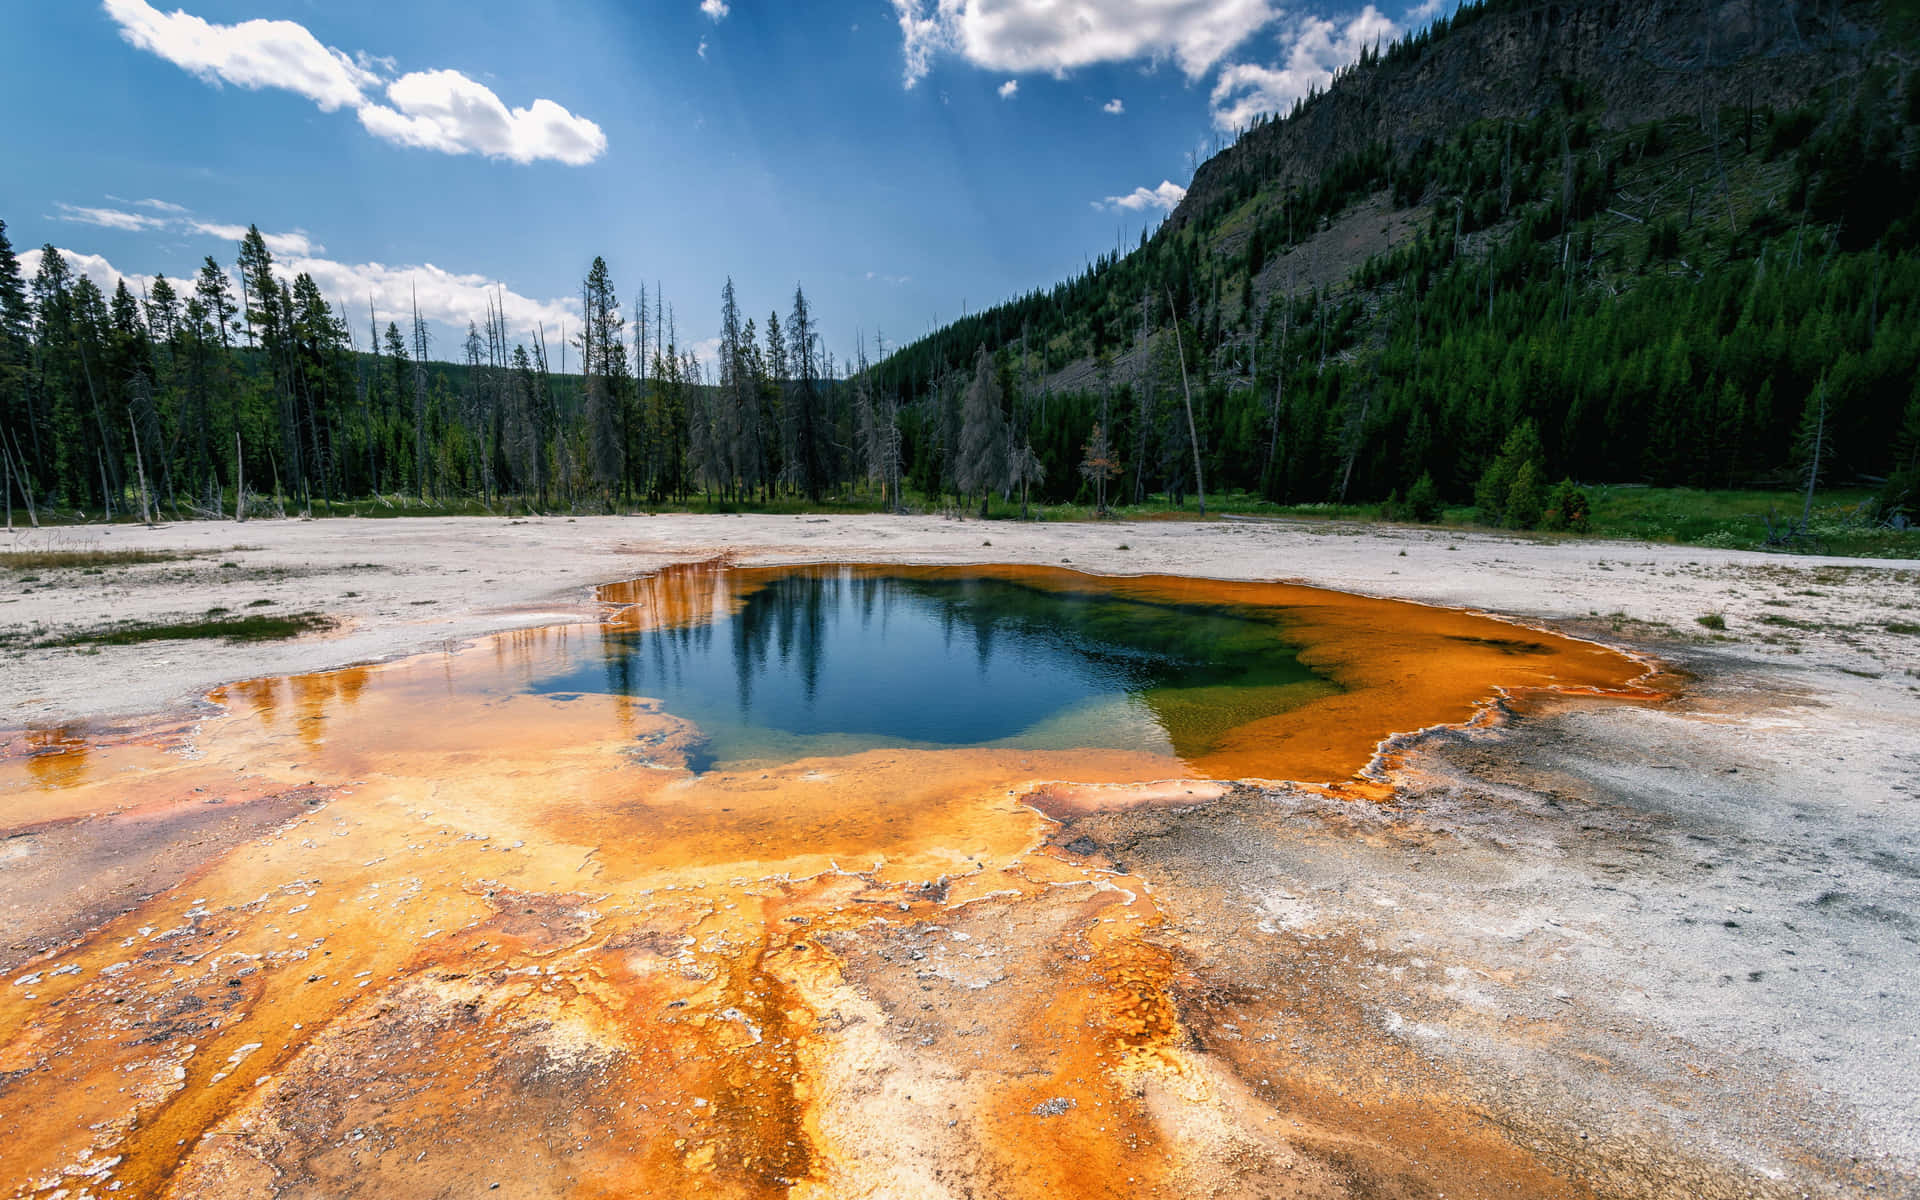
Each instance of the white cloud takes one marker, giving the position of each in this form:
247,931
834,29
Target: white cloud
1114,107
440,110
296,242
1317,49
444,296
1009,89
717,9
103,273
1165,197
253,54
701,50
110,218
178,217
1049,36
892,280
446,111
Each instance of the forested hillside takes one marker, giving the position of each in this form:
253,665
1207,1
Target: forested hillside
1596,241
1609,241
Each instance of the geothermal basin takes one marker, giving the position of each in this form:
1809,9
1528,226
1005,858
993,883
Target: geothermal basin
819,881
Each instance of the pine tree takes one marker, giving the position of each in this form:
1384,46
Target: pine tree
803,361
216,294
1423,499
263,315
19,420
1526,496
603,363
1511,490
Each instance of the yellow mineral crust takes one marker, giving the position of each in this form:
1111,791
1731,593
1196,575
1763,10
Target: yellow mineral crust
480,941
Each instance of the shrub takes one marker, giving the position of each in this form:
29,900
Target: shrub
1713,621
1567,508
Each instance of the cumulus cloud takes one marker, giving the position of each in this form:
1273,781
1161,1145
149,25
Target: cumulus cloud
296,242
716,9
104,274
1048,36
1316,48
449,297
446,111
437,110
1009,89
1166,197
1114,107
253,54
110,218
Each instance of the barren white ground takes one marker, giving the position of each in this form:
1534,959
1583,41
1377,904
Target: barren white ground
1795,750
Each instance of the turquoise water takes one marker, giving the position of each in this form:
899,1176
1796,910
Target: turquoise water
834,660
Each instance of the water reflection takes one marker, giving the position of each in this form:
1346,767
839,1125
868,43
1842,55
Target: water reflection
772,665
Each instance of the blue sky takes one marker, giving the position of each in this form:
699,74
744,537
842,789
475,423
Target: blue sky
900,158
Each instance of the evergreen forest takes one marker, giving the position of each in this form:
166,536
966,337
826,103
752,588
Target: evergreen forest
1500,312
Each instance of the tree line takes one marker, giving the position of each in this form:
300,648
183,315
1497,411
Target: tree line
249,387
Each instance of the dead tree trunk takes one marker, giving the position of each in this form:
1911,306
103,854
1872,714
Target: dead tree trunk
1193,433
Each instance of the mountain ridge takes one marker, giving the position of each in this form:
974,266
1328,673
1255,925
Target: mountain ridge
1656,243
1509,59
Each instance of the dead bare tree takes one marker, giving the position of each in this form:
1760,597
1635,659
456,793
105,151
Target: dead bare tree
420,342
1024,468
1193,433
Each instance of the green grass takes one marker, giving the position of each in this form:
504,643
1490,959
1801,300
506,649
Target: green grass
1733,520
1737,520
214,625
54,559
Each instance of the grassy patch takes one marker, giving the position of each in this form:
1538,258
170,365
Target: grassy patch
215,624
1737,520
1713,621
90,559
1732,520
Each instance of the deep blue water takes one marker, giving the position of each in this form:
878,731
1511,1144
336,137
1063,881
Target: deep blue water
829,660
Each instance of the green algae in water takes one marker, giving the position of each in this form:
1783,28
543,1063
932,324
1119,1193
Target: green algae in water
823,661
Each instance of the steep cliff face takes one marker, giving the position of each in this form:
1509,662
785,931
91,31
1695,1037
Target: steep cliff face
1509,59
